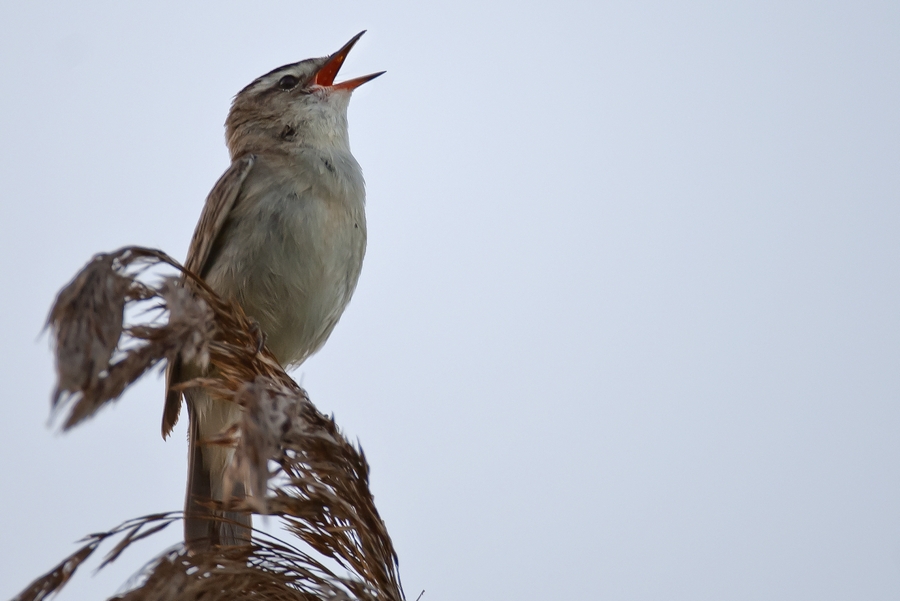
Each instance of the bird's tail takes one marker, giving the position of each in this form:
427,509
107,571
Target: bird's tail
203,525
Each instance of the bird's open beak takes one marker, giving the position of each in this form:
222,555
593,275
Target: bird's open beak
325,76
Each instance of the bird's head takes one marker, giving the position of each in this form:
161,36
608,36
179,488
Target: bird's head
297,104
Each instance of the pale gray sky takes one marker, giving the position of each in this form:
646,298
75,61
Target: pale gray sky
628,325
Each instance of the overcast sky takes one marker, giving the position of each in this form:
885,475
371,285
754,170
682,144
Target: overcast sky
628,324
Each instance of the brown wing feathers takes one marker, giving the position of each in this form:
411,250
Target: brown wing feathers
218,205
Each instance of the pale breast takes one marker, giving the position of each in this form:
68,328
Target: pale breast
292,250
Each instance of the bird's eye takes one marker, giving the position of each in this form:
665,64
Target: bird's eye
288,82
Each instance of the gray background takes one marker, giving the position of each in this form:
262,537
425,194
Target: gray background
628,325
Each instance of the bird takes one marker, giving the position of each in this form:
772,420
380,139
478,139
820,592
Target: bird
282,234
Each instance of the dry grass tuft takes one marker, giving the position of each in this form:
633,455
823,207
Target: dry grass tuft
299,465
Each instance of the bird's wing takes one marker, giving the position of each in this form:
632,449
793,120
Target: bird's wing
215,212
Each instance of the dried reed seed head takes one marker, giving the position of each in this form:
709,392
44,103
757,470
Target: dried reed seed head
86,321
97,355
190,316
324,498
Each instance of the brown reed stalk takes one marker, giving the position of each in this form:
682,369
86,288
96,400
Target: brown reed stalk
110,326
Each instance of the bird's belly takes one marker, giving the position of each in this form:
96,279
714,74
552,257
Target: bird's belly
294,271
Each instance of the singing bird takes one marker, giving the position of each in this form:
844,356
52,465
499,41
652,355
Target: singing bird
283,233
